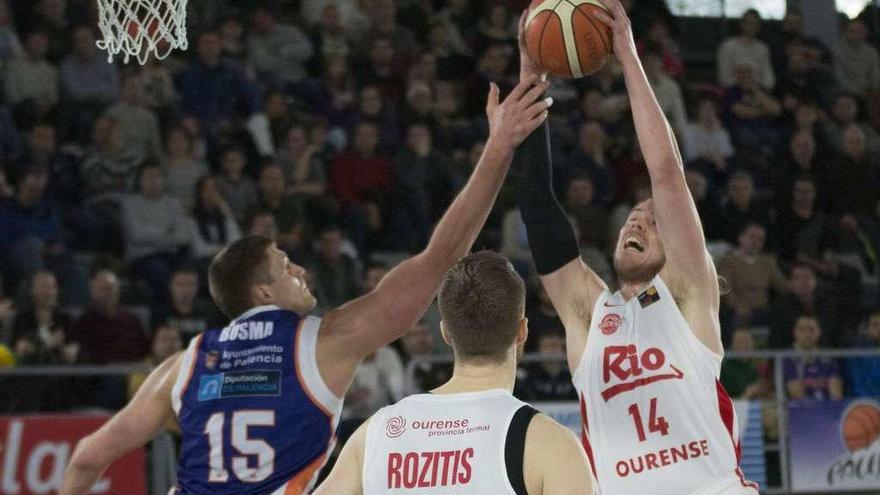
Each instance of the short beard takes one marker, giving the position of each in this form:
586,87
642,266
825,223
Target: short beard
637,273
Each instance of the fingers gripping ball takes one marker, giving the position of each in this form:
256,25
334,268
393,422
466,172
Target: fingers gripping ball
564,38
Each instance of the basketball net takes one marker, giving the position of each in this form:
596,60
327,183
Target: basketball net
141,28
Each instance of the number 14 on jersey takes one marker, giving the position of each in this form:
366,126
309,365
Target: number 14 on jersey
656,424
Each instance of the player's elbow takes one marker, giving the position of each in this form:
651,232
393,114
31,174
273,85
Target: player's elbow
86,457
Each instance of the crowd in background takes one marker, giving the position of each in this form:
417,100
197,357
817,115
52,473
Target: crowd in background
342,129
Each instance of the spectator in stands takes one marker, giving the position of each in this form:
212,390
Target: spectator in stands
7,313
31,237
591,156
845,113
106,332
417,173
214,90
138,126
31,83
104,168
707,206
278,52
418,343
666,89
303,169
215,225
261,222
156,231
52,15
375,108
746,48
361,179
379,381
182,170
496,27
239,190
856,62
185,311
751,112
810,377
451,53
383,17
41,151
166,343
352,15
381,69
863,373
268,127
854,186
159,93
42,333
740,376
590,220
330,38
334,273
802,162
549,379
741,208
274,198
803,297
805,231
705,139
752,275
86,76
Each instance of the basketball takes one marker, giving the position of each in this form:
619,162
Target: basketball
564,38
861,427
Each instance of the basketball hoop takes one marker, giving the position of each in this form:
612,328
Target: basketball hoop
141,28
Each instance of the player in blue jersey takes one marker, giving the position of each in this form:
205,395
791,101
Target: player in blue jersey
258,401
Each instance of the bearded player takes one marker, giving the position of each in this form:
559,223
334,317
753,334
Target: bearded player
646,358
259,400
470,435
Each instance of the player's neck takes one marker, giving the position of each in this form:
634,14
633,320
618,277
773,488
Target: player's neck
477,377
630,290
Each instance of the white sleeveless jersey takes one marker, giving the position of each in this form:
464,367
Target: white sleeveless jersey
440,444
654,412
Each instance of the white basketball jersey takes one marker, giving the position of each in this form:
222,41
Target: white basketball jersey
440,444
654,412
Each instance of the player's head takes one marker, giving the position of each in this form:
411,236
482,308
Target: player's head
253,272
639,254
482,306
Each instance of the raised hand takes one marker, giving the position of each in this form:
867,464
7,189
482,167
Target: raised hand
523,111
621,28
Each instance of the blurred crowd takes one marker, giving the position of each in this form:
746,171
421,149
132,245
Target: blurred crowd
343,128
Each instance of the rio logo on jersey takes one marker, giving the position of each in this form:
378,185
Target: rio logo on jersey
249,330
632,368
429,469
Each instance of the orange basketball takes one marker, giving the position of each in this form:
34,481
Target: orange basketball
861,426
564,38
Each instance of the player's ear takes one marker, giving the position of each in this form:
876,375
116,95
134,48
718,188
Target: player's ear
443,333
262,295
523,333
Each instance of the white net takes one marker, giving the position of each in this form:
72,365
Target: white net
141,28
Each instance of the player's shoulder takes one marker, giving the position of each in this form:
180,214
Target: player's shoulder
545,431
551,450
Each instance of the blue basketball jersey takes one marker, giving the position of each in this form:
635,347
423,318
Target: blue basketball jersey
255,415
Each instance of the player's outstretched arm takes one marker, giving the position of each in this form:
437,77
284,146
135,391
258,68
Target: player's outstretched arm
572,286
138,423
678,223
554,461
358,328
346,476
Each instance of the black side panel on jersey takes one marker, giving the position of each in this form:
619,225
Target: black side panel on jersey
515,448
